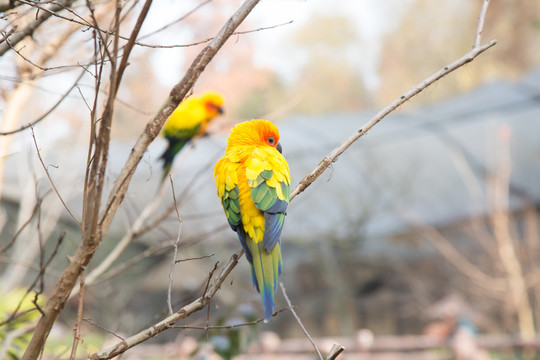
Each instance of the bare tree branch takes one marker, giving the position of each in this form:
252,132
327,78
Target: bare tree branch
177,94
8,33
210,39
96,223
103,328
41,18
34,122
50,179
131,42
507,249
170,320
91,234
304,330
93,226
334,155
335,351
456,258
77,328
166,26
480,27
175,252
128,170
21,228
42,269
227,327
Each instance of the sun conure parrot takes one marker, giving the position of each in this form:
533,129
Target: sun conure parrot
253,183
188,120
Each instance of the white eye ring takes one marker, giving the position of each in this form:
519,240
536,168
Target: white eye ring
271,140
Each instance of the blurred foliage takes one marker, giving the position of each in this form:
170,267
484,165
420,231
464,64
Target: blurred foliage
330,79
17,310
260,101
417,48
230,342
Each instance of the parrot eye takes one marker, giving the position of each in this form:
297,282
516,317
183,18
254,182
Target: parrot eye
271,140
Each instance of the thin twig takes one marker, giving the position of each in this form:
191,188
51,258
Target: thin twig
333,156
177,94
50,179
480,27
153,129
335,351
170,320
195,258
454,256
77,328
175,252
28,30
157,250
207,331
415,90
291,307
263,28
210,275
103,328
41,251
137,229
8,34
42,269
131,42
92,233
200,42
189,186
166,26
227,327
23,226
32,123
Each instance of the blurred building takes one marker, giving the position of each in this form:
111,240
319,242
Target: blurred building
378,237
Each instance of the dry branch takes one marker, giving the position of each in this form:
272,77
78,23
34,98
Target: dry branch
304,330
508,250
177,94
334,155
335,351
175,252
48,112
128,170
17,36
169,321
38,152
94,226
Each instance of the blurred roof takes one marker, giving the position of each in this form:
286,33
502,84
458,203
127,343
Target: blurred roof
431,162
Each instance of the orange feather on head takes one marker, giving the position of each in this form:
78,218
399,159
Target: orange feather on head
253,133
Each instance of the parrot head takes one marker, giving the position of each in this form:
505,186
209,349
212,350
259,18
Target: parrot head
213,103
255,133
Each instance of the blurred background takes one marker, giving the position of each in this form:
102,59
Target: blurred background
422,237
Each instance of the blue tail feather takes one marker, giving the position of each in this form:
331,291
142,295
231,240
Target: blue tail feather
268,300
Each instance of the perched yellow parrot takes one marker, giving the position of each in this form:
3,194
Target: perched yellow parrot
253,183
188,120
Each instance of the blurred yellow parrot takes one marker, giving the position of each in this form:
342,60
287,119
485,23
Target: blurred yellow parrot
253,183
188,120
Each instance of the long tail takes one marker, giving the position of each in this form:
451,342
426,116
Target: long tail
173,148
265,271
